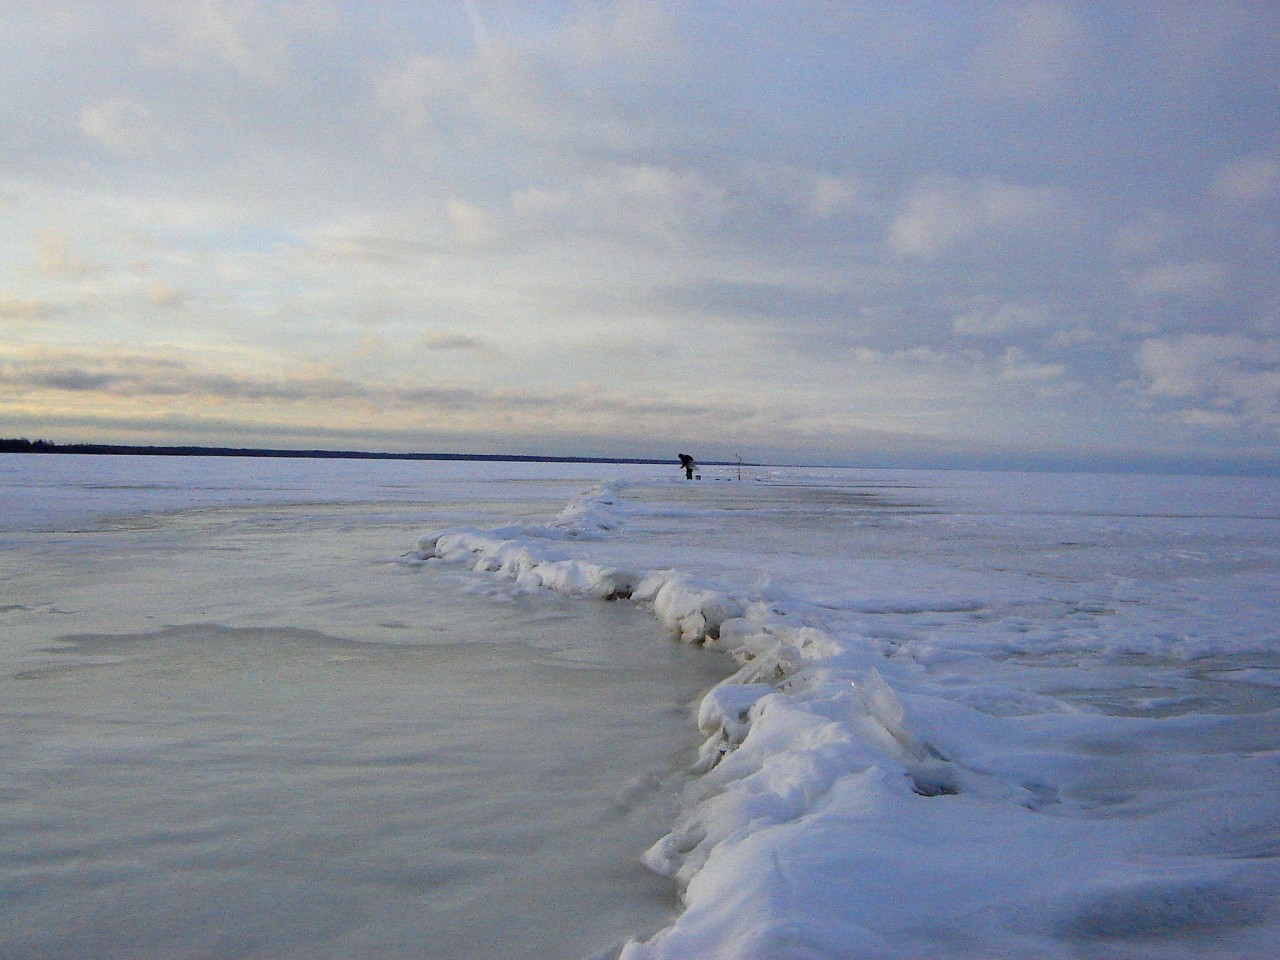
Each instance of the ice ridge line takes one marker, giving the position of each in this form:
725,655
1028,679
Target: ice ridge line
803,712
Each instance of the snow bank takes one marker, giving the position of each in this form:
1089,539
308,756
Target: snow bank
527,554
904,791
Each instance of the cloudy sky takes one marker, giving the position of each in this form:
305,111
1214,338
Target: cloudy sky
907,232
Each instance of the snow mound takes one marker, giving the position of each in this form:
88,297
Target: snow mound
931,774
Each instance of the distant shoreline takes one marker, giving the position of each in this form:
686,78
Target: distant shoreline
1154,464
116,450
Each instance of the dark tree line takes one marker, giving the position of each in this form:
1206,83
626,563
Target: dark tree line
23,445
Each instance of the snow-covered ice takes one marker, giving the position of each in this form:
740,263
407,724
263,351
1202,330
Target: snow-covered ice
966,715
976,715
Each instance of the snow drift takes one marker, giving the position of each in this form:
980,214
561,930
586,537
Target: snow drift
928,771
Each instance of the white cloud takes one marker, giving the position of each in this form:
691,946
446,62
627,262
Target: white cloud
502,87
1226,373
1187,366
939,215
561,90
630,32
995,319
829,196
164,295
54,257
362,241
252,37
478,28
372,347
1146,235
1017,367
1248,181
1218,420
1195,279
474,227
126,126
418,89
643,200
662,199
1071,337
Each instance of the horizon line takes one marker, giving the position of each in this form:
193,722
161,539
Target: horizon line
24,445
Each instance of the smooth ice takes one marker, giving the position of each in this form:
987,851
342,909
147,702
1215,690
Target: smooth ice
247,730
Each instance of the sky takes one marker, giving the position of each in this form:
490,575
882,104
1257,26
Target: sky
898,233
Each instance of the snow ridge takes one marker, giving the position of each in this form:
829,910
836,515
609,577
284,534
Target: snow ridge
804,712
875,788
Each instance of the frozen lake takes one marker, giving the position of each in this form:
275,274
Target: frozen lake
337,709
979,714
229,727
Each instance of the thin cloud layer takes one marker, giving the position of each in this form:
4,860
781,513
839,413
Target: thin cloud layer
853,233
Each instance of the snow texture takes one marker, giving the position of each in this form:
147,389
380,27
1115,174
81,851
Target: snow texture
1005,716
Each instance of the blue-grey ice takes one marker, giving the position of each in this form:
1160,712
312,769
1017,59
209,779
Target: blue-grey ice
953,715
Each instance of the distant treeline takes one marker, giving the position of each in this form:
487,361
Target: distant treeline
23,445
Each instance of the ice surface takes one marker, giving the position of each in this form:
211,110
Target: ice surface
976,715
244,729
971,715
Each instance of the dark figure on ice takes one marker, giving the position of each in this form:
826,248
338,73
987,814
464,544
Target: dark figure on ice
686,461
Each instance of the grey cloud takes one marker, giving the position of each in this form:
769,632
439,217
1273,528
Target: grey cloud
137,375
1215,378
142,376
1057,180
26,309
72,380
449,341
